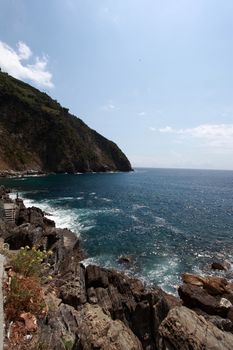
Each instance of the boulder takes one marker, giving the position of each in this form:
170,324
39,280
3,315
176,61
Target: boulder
215,285
193,279
196,297
184,329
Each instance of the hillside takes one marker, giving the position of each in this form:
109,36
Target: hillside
37,133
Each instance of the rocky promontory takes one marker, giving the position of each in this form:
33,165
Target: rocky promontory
89,307
39,135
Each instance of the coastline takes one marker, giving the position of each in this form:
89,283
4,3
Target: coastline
90,298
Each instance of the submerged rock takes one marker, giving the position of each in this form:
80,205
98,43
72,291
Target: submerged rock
125,259
221,265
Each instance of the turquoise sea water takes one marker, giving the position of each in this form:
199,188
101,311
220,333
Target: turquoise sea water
170,221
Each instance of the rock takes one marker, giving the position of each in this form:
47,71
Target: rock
193,279
221,265
125,259
73,292
33,216
225,303
96,277
96,330
59,332
224,324
184,329
120,297
215,285
230,314
30,321
196,297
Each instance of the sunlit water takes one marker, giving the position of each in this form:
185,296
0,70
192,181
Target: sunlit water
169,221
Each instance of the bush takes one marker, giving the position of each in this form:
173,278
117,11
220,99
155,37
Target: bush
25,295
30,262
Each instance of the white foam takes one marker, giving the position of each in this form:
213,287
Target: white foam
106,199
63,218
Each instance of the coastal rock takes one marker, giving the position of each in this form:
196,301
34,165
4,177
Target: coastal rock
221,265
97,330
125,259
87,328
184,329
74,292
34,216
213,284
193,279
222,323
60,329
120,297
96,277
196,297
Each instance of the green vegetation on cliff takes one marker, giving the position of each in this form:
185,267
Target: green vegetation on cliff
37,133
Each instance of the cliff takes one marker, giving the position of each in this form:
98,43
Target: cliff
37,133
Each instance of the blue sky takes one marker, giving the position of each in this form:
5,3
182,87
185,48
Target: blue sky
154,76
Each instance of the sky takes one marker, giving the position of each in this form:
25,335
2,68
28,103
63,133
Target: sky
154,76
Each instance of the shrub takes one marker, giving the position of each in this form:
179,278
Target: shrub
25,295
30,262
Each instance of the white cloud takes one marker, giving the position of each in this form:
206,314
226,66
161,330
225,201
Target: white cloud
214,135
108,107
36,71
142,114
24,52
166,129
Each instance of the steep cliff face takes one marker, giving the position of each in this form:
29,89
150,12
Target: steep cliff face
37,133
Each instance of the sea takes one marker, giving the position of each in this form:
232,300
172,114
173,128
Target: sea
169,221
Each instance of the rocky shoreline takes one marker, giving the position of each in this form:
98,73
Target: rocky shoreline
96,308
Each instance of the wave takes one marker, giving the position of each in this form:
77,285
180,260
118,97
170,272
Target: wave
63,218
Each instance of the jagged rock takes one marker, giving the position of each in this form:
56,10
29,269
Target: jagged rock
60,329
222,323
196,297
193,279
119,296
97,330
215,285
34,216
73,292
96,277
221,265
184,329
88,328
